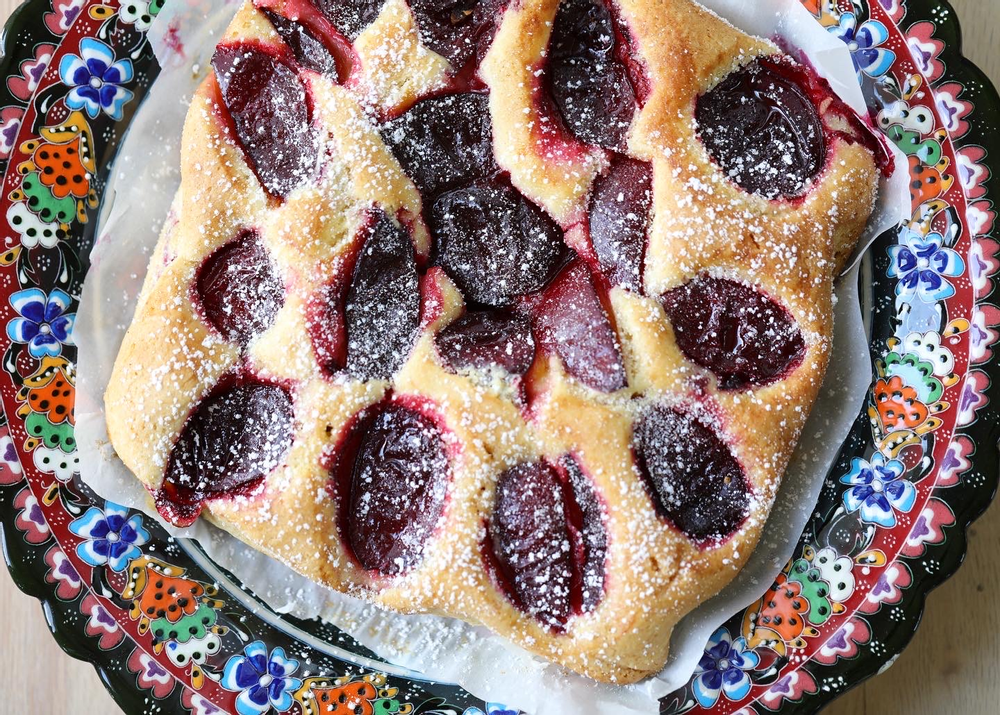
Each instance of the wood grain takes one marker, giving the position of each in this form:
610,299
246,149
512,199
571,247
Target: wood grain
949,667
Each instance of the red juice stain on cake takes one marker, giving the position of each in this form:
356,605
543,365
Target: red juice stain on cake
587,82
482,339
391,474
691,474
734,330
382,304
327,329
570,321
588,536
239,288
271,114
627,53
459,30
307,49
619,220
546,542
551,137
761,127
443,142
432,298
494,243
229,444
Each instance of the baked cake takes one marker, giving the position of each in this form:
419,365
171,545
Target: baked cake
507,312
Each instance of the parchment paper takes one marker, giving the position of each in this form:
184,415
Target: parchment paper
142,185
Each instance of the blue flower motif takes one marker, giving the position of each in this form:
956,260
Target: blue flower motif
112,537
922,264
722,669
863,42
44,323
263,680
491,709
877,490
95,78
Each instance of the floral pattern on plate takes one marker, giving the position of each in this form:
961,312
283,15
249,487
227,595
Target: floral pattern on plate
165,625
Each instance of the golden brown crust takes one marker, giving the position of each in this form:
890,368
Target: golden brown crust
701,222
544,164
392,41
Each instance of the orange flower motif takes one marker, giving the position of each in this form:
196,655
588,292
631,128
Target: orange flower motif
355,698
55,400
61,169
50,391
783,609
168,597
812,6
926,183
898,405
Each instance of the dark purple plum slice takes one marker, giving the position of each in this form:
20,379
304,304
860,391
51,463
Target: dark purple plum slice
457,29
239,289
531,544
488,338
308,50
743,336
587,82
398,484
271,114
494,243
763,130
443,142
350,17
585,516
382,308
232,441
619,220
570,321
692,476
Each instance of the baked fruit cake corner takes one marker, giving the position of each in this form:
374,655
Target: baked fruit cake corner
506,312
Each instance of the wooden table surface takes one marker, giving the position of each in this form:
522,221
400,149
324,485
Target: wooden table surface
949,667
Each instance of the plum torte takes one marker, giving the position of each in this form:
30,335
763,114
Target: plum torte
510,312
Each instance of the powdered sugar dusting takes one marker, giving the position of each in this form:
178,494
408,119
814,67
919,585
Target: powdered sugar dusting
582,399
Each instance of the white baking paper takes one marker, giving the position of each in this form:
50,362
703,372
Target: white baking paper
142,185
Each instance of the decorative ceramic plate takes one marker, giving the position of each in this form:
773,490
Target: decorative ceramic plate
918,467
